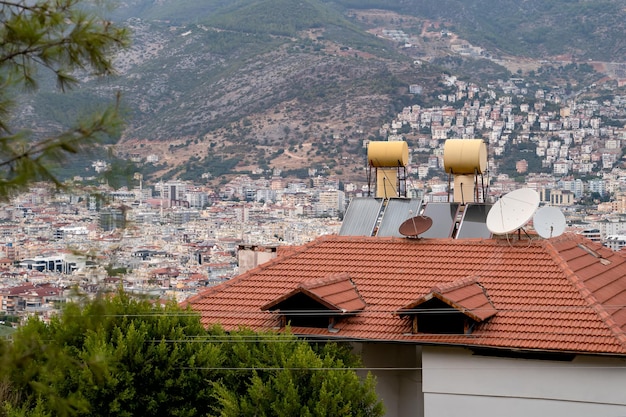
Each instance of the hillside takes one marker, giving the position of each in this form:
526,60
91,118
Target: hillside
214,86
580,29
235,90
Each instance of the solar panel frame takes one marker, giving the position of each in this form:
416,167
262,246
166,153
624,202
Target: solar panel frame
474,222
361,216
396,212
444,217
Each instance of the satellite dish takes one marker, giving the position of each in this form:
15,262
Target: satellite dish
512,211
415,226
549,222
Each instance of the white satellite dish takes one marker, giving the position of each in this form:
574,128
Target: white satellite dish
549,222
512,211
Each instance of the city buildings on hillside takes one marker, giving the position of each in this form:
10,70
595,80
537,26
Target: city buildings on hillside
194,231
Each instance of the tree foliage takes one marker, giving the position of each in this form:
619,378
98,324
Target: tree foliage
120,356
276,17
68,39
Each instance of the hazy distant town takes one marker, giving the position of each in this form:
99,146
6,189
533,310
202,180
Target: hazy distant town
171,239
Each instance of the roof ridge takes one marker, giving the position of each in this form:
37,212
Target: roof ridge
586,294
326,280
236,279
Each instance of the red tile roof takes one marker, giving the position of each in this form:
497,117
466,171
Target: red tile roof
464,295
337,292
563,294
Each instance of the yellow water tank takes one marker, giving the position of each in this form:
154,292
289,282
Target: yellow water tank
388,154
465,156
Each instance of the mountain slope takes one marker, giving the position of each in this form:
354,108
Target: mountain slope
291,90
536,28
213,84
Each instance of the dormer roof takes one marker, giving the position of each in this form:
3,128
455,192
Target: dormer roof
465,295
336,292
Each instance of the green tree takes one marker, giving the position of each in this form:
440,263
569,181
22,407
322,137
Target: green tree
119,356
285,377
113,356
65,38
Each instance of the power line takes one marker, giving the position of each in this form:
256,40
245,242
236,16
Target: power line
395,369
395,311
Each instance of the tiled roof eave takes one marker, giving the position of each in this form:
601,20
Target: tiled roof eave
470,341
588,296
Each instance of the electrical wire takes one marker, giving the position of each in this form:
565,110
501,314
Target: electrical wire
395,369
532,336
395,311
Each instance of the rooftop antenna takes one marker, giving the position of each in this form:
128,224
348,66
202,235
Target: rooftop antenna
512,211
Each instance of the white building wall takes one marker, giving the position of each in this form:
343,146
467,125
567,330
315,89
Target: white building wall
455,382
615,242
399,389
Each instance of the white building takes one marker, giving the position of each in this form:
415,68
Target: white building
331,203
615,242
561,167
454,327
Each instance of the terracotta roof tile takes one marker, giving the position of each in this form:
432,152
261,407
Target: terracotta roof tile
335,292
561,294
465,295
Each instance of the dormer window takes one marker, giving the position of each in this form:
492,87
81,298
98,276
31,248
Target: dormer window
318,303
301,310
453,308
436,316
